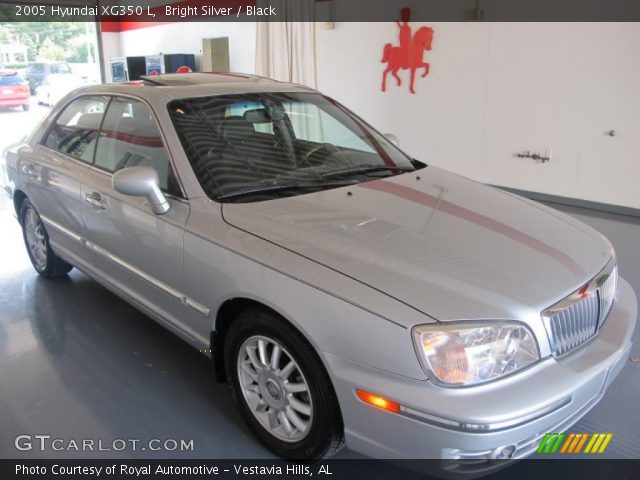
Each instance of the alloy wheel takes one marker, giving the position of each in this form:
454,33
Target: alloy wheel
275,388
36,239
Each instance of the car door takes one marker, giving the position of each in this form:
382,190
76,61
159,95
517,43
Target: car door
136,251
53,171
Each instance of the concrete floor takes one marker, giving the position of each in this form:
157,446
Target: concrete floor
78,363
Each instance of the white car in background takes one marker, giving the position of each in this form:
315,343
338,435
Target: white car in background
56,86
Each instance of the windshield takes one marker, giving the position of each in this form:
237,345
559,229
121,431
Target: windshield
35,69
254,147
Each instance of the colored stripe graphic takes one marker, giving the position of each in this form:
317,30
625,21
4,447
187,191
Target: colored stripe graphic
550,443
571,438
598,443
543,443
582,441
573,443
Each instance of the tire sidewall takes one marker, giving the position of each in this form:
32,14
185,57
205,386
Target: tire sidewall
325,421
27,205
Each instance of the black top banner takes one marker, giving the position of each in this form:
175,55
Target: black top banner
321,10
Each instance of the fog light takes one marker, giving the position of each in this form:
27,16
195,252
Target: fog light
503,453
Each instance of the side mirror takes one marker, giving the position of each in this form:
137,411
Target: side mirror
392,138
141,182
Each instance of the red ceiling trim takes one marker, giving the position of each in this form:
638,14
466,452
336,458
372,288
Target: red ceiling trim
134,22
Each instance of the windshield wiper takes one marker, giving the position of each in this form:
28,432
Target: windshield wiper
282,187
360,169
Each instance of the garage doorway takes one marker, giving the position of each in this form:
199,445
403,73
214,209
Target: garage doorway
40,62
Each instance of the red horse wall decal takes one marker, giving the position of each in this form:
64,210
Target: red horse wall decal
409,55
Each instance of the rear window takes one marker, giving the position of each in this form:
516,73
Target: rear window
6,80
36,68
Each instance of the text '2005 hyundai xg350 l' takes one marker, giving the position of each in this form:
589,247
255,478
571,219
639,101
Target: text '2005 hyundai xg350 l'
347,291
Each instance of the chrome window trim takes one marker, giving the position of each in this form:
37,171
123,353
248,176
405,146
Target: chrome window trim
172,292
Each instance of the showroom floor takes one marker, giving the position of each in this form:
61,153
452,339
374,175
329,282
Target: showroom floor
78,363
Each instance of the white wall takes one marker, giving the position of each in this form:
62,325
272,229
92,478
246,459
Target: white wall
110,49
498,89
187,38
495,89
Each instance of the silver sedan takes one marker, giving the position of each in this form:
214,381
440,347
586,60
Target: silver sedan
346,291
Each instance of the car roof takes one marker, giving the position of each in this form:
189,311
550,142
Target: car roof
201,78
185,85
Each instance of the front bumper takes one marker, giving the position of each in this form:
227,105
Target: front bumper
518,410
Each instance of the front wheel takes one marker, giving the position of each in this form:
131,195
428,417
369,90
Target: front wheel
281,387
36,239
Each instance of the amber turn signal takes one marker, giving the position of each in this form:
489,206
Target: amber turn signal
378,401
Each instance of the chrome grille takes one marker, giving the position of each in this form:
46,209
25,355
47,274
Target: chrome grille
607,293
575,324
575,319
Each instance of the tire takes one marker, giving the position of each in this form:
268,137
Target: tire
25,107
268,398
36,240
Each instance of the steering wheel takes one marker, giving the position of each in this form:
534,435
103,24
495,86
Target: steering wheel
329,147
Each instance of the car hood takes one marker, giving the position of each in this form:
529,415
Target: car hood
449,247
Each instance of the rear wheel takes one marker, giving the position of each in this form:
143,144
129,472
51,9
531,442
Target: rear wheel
281,387
25,107
36,239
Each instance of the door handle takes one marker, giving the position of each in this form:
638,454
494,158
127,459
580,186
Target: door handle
95,200
30,170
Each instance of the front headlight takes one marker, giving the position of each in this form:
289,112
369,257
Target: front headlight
470,354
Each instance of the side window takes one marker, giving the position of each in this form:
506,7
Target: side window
75,131
35,69
130,137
